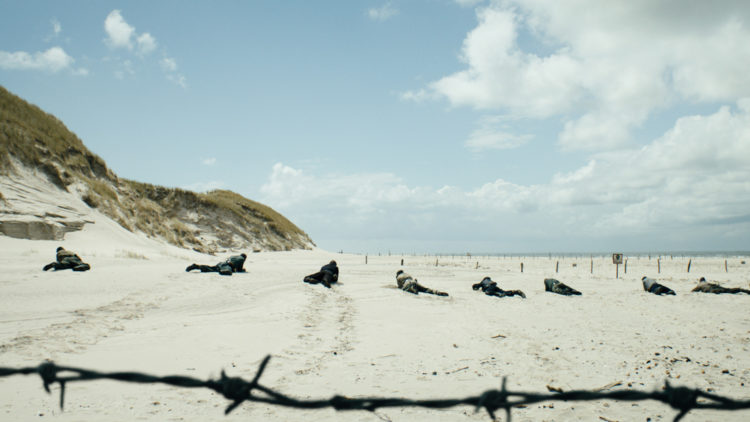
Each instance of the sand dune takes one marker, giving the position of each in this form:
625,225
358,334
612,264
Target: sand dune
139,310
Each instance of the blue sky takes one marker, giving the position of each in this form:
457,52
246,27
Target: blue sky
416,126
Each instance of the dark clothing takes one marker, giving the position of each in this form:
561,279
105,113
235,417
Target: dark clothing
233,264
490,288
409,284
650,285
67,260
705,287
327,275
237,263
554,286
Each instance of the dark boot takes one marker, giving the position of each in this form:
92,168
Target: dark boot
82,267
48,266
191,267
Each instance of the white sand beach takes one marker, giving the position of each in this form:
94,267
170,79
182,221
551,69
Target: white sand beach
137,309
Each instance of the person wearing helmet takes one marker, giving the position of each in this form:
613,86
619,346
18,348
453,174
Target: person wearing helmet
327,275
706,287
554,286
233,264
409,284
67,260
490,288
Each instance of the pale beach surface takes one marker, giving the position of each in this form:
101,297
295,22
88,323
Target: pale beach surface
137,309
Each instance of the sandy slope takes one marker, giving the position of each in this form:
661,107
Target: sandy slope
139,310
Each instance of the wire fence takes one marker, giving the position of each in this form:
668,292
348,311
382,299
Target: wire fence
238,391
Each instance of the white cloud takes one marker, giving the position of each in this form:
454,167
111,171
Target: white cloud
208,161
56,27
146,44
494,134
125,69
609,67
383,12
168,64
690,183
119,32
54,59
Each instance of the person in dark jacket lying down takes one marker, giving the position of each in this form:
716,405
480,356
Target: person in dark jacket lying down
409,284
706,287
650,285
67,260
490,288
233,264
554,286
327,275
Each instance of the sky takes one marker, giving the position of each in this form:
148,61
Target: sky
419,126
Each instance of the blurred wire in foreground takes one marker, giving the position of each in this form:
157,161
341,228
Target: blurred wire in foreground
237,390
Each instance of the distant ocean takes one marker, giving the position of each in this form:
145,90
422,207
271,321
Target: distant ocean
627,254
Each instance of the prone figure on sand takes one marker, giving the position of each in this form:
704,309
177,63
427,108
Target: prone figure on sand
409,284
706,287
66,259
554,286
650,285
490,288
327,275
233,264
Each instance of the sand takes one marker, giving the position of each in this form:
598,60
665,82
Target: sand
138,309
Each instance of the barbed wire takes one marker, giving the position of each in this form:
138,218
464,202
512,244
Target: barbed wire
238,391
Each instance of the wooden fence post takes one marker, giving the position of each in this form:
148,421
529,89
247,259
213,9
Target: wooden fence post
658,264
690,261
522,267
557,266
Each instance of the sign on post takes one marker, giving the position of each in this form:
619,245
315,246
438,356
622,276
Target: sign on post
617,260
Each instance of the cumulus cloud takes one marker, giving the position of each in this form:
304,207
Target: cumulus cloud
692,180
605,70
119,32
122,35
383,12
54,59
146,44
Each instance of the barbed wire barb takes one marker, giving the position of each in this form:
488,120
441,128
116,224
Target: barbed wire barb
238,391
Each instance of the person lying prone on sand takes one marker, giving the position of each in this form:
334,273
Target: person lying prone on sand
706,287
650,285
409,284
67,260
233,264
554,286
327,275
490,288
